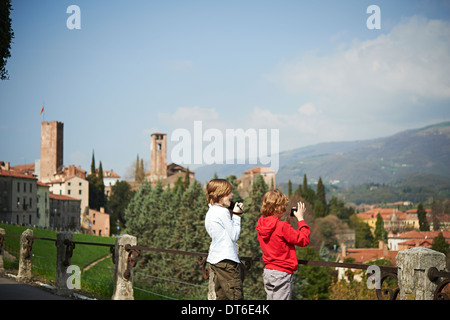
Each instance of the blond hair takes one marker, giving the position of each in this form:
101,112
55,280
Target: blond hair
217,189
274,203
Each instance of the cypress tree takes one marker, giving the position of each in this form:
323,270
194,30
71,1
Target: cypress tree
422,216
380,233
289,188
321,192
93,163
305,184
141,171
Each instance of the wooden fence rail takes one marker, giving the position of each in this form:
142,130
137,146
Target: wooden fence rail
420,272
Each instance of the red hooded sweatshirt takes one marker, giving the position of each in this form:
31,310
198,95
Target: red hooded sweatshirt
278,240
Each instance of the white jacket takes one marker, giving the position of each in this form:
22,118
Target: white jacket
224,233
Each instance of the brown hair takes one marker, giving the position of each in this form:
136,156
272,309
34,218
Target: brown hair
274,203
217,189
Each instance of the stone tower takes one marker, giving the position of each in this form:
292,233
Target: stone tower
51,149
158,152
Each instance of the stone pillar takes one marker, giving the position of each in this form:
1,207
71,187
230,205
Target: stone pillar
25,256
2,245
413,265
123,285
64,250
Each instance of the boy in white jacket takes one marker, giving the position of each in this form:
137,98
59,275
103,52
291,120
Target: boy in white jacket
224,228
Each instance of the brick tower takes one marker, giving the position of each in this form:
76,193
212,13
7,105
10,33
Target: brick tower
51,149
158,153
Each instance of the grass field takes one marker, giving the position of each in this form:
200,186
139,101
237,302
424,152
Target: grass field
95,263
97,280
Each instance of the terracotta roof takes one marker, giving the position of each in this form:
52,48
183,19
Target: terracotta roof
110,174
24,167
415,234
43,184
426,243
386,214
62,197
260,170
362,255
15,174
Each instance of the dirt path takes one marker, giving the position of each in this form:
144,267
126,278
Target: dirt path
95,262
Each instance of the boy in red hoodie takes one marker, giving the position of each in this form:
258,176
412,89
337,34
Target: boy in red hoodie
278,240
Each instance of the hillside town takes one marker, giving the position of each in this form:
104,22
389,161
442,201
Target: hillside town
50,194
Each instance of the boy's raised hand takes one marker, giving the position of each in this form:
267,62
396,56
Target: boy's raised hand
301,209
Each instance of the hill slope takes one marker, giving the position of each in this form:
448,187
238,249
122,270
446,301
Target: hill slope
420,151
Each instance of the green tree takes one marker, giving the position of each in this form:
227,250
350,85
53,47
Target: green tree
187,180
93,171
337,207
97,197
139,172
380,232
236,195
6,36
170,219
117,203
363,235
439,244
321,196
422,216
310,282
248,242
289,188
306,193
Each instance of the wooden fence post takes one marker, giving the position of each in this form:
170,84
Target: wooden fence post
26,243
2,241
64,250
413,265
123,276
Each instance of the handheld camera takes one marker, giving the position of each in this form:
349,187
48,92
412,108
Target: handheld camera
293,209
231,207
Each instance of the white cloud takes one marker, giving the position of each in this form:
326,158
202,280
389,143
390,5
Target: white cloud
186,116
409,65
308,109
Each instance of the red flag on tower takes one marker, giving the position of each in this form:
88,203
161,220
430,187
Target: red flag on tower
42,110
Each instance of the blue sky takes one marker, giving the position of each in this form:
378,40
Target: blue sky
311,69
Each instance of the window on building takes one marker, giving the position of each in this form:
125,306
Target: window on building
18,186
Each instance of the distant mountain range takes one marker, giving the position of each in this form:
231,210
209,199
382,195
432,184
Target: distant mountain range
424,151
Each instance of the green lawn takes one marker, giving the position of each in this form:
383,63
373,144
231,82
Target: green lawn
97,280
